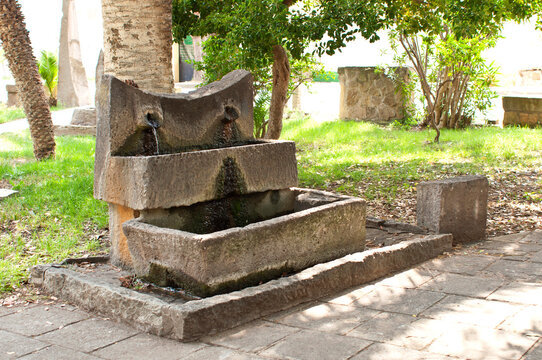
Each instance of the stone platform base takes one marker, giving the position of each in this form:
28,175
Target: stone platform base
98,288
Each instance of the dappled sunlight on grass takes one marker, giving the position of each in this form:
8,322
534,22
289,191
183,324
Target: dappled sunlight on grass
54,215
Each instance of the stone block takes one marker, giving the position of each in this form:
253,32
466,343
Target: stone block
522,104
13,99
182,179
457,206
209,263
84,116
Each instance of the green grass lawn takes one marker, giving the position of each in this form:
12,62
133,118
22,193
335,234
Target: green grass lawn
55,216
10,113
13,113
374,162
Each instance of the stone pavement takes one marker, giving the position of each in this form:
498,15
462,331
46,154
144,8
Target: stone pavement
483,301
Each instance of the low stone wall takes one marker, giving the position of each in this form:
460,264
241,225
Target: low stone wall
369,95
524,111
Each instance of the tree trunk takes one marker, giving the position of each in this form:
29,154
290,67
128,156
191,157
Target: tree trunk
23,66
279,96
138,42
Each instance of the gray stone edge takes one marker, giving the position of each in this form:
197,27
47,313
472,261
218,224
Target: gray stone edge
74,130
195,319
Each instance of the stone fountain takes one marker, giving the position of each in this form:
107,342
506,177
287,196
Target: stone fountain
197,203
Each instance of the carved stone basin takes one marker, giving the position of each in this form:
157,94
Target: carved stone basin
322,227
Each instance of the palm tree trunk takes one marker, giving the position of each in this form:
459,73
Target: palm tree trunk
23,66
138,42
137,47
279,96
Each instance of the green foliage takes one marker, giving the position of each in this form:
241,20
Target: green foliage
48,69
242,34
443,41
261,106
327,76
54,215
10,113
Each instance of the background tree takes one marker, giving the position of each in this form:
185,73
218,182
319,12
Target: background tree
271,37
23,66
443,41
48,69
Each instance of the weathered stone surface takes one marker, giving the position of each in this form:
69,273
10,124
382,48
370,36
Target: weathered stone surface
38,320
523,111
457,206
210,263
13,100
72,79
58,353
367,94
74,130
120,254
197,318
88,335
13,346
165,181
84,116
326,347
144,347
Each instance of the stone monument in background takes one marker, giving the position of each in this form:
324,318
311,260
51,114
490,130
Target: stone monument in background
72,80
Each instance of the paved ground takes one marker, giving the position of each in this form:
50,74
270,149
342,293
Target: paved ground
482,302
61,117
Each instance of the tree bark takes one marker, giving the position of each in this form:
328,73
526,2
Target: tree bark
279,96
138,41
23,66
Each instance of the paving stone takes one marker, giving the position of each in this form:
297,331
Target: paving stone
310,345
58,353
213,352
533,237
4,310
15,345
462,285
252,338
392,352
527,321
40,319
144,346
512,237
88,335
461,309
394,299
460,264
508,248
535,353
514,270
476,342
536,257
398,329
329,317
409,279
350,296
517,292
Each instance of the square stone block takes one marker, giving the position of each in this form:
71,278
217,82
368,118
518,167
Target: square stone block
457,206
